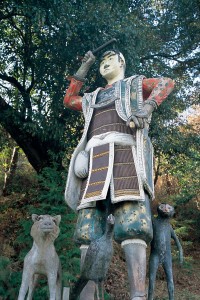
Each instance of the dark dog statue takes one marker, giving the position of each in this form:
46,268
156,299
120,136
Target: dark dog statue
161,249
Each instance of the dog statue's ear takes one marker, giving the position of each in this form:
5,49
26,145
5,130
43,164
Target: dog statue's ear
57,219
34,217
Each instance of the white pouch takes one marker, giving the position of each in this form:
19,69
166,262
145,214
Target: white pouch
81,165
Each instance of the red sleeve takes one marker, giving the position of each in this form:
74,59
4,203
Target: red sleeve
157,89
71,99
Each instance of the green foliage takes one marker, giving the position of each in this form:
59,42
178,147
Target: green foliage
6,145
180,166
40,42
47,198
52,184
9,280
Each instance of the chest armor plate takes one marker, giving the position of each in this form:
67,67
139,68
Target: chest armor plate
105,117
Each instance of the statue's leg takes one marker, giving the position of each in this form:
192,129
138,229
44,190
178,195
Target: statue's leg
133,229
89,290
59,284
52,285
24,286
135,254
90,225
169,277
153,267
32,284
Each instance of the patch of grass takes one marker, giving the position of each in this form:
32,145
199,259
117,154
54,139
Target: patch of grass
186,295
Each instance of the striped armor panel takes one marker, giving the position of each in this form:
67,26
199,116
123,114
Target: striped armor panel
125,181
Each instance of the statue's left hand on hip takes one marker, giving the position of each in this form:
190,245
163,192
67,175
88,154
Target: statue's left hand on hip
140,116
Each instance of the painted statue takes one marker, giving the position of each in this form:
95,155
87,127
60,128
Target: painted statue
161,249
42,259
111,168
96,262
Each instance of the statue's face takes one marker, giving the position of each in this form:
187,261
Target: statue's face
165,210
111,66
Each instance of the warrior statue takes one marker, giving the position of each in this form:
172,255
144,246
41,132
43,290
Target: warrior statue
111,170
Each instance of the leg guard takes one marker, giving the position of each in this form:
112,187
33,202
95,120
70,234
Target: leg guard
135,254
90,224
133,221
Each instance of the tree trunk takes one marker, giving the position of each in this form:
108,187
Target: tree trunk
37,151
168,184
156,169
11,172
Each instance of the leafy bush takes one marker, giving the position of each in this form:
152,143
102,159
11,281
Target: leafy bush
47,198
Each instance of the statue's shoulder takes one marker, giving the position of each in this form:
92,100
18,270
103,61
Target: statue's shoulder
88,99
87,96
130,80
90,95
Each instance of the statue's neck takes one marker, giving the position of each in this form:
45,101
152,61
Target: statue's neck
109,231
163,219
46,240
115,79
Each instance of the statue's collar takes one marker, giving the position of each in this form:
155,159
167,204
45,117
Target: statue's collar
107,95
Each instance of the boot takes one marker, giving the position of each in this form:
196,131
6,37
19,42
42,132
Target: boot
89,290
135,254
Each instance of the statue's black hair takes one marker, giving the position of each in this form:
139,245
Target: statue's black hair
112,52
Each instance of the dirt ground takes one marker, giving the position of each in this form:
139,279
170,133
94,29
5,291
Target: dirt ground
186,278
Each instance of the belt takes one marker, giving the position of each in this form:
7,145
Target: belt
121,139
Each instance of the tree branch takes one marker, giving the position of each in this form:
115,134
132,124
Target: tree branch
14,82
22,90
35,150
5,87
156,170
165,55
17,28
8,15
32,81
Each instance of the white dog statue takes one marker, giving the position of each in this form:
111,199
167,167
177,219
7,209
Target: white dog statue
42,258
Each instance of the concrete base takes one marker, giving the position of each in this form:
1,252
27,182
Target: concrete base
66,293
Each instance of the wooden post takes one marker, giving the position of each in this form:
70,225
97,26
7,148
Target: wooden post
66,293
